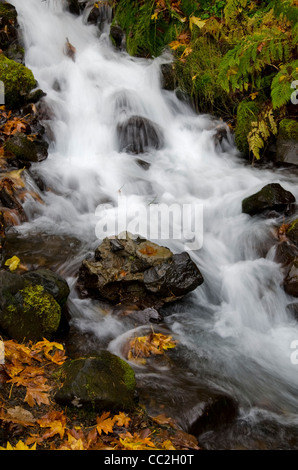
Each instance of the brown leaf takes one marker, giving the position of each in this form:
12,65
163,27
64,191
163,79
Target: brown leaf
104,423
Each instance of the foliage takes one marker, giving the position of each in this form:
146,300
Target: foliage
247,112
142,347
225,53
33,415
261,131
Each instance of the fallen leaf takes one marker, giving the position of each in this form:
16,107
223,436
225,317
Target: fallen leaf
104,423
13,263
19,446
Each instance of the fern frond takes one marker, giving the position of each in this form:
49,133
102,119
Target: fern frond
281,90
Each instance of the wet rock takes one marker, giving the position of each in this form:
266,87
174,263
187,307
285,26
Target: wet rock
27,150
104,382
287,142
285,252
291,279
76,6
138,317
11,205
272,197
52,282
99,14
213,409
293,310
176,278
27,312
117,36
138,271
138,135
167,77
8,25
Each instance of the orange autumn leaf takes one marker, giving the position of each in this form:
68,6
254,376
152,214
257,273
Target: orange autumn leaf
104,423
55,421
122,419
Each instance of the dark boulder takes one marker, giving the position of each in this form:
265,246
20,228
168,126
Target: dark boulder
117,36
30,304
137,271
27,312
213,409
26,150
175,278
104,382
168,80
272,197
138,135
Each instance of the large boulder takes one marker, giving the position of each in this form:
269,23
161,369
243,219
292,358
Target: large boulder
138,134
30,304
272,197
104,382
138,271
18,81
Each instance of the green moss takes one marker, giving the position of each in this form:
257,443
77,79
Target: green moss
18,81
31,313
43,305
288,129
247,113
8,11
102,382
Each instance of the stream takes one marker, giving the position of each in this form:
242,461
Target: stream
234,331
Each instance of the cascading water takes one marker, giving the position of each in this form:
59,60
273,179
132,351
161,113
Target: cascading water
234,330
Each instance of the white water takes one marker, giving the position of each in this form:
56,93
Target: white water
235,328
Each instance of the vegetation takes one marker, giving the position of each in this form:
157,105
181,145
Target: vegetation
226,54
32,420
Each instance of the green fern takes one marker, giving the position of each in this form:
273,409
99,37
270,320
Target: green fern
281,90
242,64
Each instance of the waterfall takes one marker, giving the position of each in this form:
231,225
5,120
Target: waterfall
235,329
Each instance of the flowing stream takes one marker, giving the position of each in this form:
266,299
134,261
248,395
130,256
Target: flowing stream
234,331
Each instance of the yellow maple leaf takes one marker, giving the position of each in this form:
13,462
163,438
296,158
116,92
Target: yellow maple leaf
19,446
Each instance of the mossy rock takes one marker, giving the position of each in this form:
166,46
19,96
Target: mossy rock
27,312
247,113
18,81
25,149
52,282
8,11
103,382
288,129
272,197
